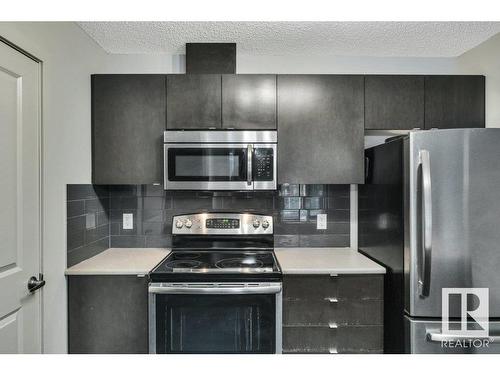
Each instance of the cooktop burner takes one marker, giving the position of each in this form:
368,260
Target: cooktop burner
180,263
244,262
188,255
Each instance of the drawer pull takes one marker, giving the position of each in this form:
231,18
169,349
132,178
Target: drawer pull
333,351
333,325
331,299
333,274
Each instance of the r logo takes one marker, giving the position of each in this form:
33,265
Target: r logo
474,312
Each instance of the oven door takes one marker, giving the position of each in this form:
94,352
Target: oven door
215,318
208,166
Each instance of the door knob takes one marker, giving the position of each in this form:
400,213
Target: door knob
34,283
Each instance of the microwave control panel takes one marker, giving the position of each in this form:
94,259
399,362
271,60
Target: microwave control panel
263,164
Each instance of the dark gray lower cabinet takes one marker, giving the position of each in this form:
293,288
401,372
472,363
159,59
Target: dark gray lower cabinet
108,314
320,129
333,314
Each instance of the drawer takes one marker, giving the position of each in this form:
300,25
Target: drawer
351,312
344,339
318,287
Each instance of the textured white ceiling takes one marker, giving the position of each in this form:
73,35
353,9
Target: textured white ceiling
402,39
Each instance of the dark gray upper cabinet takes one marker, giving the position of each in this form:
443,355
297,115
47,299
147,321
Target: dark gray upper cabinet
394,102
249,101
128,120
320,129
194,101
454,102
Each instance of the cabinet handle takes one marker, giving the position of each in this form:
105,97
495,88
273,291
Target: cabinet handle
333,351
331,299
333,275
333,325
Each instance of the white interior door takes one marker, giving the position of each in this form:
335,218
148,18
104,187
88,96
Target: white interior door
20,249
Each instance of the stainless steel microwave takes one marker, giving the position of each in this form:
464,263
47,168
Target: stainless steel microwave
220,160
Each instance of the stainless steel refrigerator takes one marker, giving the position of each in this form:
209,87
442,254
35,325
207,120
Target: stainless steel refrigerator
430,212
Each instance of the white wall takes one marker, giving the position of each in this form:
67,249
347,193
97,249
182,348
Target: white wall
344,65
485,59
69,57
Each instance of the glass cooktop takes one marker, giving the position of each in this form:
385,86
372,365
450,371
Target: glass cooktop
219,262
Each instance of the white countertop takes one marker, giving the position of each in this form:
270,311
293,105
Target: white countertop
120,261
325,260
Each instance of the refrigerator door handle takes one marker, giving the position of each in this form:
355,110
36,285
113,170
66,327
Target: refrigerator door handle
425,272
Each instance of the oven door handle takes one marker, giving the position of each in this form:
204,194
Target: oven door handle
266,289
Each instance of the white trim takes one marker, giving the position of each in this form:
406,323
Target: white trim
40,190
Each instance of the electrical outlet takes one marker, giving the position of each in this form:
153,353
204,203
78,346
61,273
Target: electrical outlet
321,221
90,221
128,221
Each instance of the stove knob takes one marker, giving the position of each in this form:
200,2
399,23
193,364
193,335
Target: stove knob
265,224
179,224
256,223
188,223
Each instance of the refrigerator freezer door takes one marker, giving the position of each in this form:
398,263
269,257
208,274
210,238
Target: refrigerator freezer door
424,337
453,239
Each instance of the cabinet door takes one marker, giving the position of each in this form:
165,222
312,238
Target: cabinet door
454,102
128,120
320,129
249,101
194,101
108,314
394,102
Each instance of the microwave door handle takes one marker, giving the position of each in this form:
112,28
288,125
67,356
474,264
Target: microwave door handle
249,164
424,159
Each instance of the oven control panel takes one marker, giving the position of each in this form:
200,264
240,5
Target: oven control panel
222,223
211,223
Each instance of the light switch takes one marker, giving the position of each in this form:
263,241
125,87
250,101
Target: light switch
128,221
321,221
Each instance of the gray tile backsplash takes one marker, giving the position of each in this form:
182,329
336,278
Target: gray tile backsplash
294,208
87,232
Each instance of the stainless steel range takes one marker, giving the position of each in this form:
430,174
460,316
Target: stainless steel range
219,290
